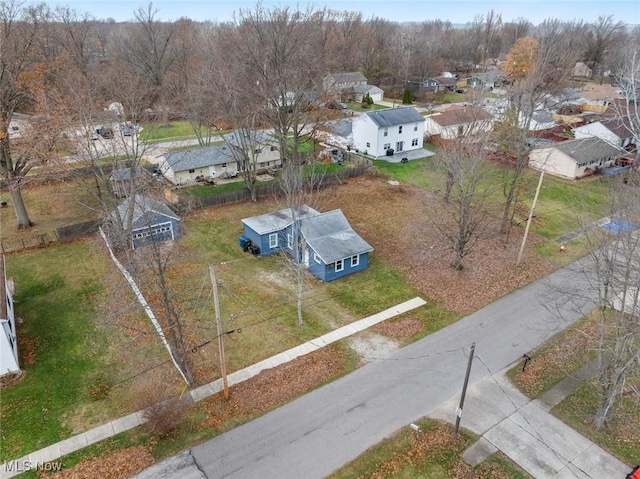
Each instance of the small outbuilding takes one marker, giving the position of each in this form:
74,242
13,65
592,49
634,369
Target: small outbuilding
126,180
150,221
9,365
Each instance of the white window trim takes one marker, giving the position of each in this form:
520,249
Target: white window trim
316,258
355,260
273,240
339,265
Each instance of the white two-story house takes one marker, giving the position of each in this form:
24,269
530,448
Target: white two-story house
387,132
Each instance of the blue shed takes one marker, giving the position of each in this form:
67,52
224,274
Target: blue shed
151,221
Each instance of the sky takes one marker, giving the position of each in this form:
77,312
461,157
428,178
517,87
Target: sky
456,11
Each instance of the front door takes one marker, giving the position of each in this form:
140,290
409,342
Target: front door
399,146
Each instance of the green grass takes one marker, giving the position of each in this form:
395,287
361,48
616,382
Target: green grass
355,106
61,349
173,131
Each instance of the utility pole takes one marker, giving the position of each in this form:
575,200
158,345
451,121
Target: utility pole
464,392
526,229
223,364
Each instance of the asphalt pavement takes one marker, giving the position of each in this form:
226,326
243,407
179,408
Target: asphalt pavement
323,430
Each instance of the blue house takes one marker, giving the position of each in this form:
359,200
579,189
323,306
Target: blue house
151,221
331,248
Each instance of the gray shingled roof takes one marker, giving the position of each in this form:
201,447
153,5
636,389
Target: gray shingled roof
199,157
349,77
395,116
367,89
278,220
242,137
332,238
122,174
588,149
143,204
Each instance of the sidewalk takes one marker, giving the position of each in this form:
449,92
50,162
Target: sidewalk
527,433
55,451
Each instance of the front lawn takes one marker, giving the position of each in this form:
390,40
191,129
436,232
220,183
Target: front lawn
62,352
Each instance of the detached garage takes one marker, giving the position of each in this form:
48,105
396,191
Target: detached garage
151,221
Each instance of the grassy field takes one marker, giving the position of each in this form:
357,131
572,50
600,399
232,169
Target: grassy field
562,206
175,130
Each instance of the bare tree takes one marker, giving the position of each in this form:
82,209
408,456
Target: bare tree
21,27
614,277
464,167
603,34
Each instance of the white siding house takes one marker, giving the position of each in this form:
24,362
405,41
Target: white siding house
456,122
9,367
617,131
397,129
574,158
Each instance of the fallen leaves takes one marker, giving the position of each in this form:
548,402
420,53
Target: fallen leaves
116,465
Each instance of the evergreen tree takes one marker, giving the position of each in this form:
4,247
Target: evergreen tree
407,97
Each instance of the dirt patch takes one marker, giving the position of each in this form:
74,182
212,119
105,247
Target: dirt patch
371,346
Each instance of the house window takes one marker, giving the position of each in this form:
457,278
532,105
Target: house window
368,145
224,165
316,258
386,131
400,129
257,151
355,260
387,146
192,171
273,240
414,142
339,265
289,241
460,130
415,127
273,148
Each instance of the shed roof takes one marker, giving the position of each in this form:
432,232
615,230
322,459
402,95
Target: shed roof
277,220
143,204
199,157
395,116
330,235
123,174
588,149
459,116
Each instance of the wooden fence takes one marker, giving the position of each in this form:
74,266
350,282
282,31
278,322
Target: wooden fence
182,206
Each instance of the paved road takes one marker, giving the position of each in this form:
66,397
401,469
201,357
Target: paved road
321,431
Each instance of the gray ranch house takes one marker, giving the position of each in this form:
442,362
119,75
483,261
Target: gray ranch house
188,166
385,132
151,221
575,159
331,248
